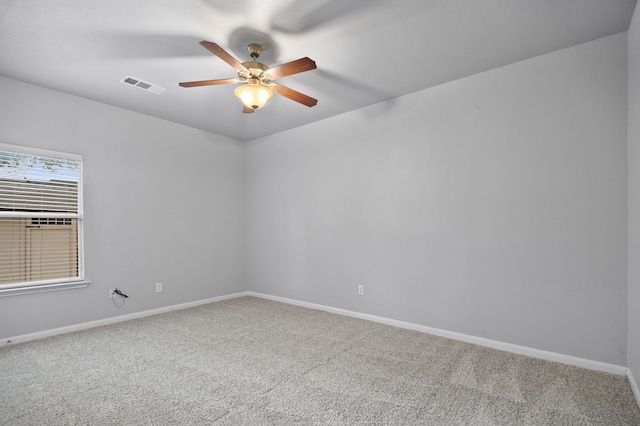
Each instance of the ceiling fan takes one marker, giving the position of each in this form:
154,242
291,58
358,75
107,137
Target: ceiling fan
256,76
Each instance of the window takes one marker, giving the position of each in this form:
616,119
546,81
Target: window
40,220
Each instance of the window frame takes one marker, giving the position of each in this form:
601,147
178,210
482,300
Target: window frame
39,286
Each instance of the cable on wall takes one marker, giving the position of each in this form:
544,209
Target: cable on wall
119,298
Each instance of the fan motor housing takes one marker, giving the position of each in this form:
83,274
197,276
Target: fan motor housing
256,69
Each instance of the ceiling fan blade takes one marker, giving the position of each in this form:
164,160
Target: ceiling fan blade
293,67
208,82
293,95
222,54
248,110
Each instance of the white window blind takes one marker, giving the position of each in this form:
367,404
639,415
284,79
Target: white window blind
40,217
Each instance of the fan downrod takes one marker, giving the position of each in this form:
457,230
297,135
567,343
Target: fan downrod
254,50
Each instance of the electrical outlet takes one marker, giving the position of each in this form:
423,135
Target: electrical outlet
158,287
112,292
361,290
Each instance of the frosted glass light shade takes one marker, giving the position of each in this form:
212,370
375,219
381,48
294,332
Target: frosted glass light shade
253,96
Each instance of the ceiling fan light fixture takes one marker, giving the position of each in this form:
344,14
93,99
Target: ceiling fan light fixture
253,95
256,90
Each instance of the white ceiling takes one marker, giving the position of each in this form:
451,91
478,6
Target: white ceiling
367,51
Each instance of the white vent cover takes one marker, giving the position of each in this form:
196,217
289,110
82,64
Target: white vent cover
143,85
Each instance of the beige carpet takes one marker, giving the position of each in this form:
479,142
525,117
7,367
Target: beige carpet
257,362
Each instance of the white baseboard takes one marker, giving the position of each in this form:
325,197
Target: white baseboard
113,320
634,386
507,347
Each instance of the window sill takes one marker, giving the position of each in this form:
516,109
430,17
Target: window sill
41,288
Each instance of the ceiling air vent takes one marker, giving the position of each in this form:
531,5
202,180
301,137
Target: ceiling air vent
143,85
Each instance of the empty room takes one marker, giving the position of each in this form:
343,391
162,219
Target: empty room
242,212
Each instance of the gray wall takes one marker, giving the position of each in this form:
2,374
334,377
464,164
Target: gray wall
495,206
163,203
634,196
